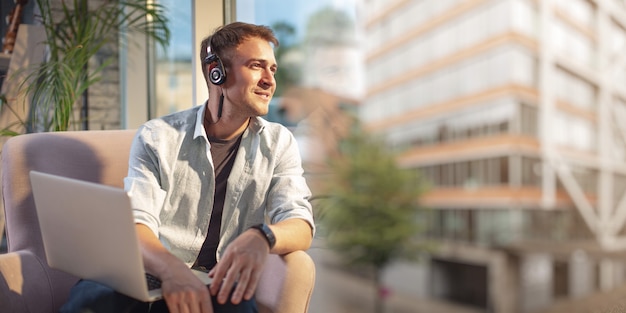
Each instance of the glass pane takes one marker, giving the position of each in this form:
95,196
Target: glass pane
320,66
173,71
318,38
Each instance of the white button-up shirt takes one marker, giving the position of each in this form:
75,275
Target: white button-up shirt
171,181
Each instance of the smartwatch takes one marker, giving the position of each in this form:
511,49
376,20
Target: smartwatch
267,233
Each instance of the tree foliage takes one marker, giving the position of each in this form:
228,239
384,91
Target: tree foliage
330,26
372,206
290,72
371,209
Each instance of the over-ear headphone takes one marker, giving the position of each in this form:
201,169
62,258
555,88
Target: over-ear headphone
217,75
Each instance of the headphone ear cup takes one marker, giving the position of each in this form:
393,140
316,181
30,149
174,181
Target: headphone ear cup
217,75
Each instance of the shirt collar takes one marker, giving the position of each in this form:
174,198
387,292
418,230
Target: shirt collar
199,129
256,124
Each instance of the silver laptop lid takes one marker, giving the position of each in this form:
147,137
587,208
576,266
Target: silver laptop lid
88,231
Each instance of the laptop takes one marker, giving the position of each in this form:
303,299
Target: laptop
88,231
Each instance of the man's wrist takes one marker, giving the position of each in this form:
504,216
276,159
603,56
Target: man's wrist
267,233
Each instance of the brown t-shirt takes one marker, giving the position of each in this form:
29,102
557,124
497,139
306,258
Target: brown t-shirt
223,153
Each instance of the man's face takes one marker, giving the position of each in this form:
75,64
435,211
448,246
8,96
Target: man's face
250,82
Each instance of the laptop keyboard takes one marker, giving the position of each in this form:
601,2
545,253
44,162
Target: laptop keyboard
153,282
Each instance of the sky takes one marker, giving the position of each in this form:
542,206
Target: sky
294,12
264,12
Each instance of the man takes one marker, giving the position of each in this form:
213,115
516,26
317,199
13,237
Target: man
204,180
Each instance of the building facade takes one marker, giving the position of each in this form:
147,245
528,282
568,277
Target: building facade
514,111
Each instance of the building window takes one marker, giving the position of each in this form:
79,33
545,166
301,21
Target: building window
528,120
469,174
531,172
573,131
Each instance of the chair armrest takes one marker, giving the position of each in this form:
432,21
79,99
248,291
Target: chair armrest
286,284
24,284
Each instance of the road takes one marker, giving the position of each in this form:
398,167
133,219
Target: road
337,291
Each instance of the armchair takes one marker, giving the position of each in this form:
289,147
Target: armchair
27,284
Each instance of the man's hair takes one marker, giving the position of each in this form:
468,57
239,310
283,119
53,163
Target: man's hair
227,37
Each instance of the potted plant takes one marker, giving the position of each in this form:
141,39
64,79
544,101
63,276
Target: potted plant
75,32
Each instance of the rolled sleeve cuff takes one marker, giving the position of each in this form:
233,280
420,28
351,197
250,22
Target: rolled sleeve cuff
146,202
306,216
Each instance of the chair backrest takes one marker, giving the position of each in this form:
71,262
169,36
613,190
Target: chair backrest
97,156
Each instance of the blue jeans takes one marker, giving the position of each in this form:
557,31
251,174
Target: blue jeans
92,297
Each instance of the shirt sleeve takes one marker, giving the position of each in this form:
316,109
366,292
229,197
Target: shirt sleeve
143,181
289,194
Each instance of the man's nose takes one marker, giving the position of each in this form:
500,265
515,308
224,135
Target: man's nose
268,78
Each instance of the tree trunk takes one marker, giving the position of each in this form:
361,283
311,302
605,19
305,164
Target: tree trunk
379,301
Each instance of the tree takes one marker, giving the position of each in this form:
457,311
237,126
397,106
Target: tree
290,70
370,206
330,26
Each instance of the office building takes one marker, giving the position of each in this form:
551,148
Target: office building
514,110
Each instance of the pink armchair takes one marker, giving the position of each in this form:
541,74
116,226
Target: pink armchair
27,284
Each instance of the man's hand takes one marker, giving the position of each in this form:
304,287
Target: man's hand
242,263
184,292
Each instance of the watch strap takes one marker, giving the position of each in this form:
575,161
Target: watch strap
267,233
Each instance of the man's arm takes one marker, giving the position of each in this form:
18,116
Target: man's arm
287,207
291,235
182,290
244,258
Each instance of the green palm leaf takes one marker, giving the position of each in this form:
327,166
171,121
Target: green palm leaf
75,34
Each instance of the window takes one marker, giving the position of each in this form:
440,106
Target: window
173,69
158,82
573,131
319,38
531,171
